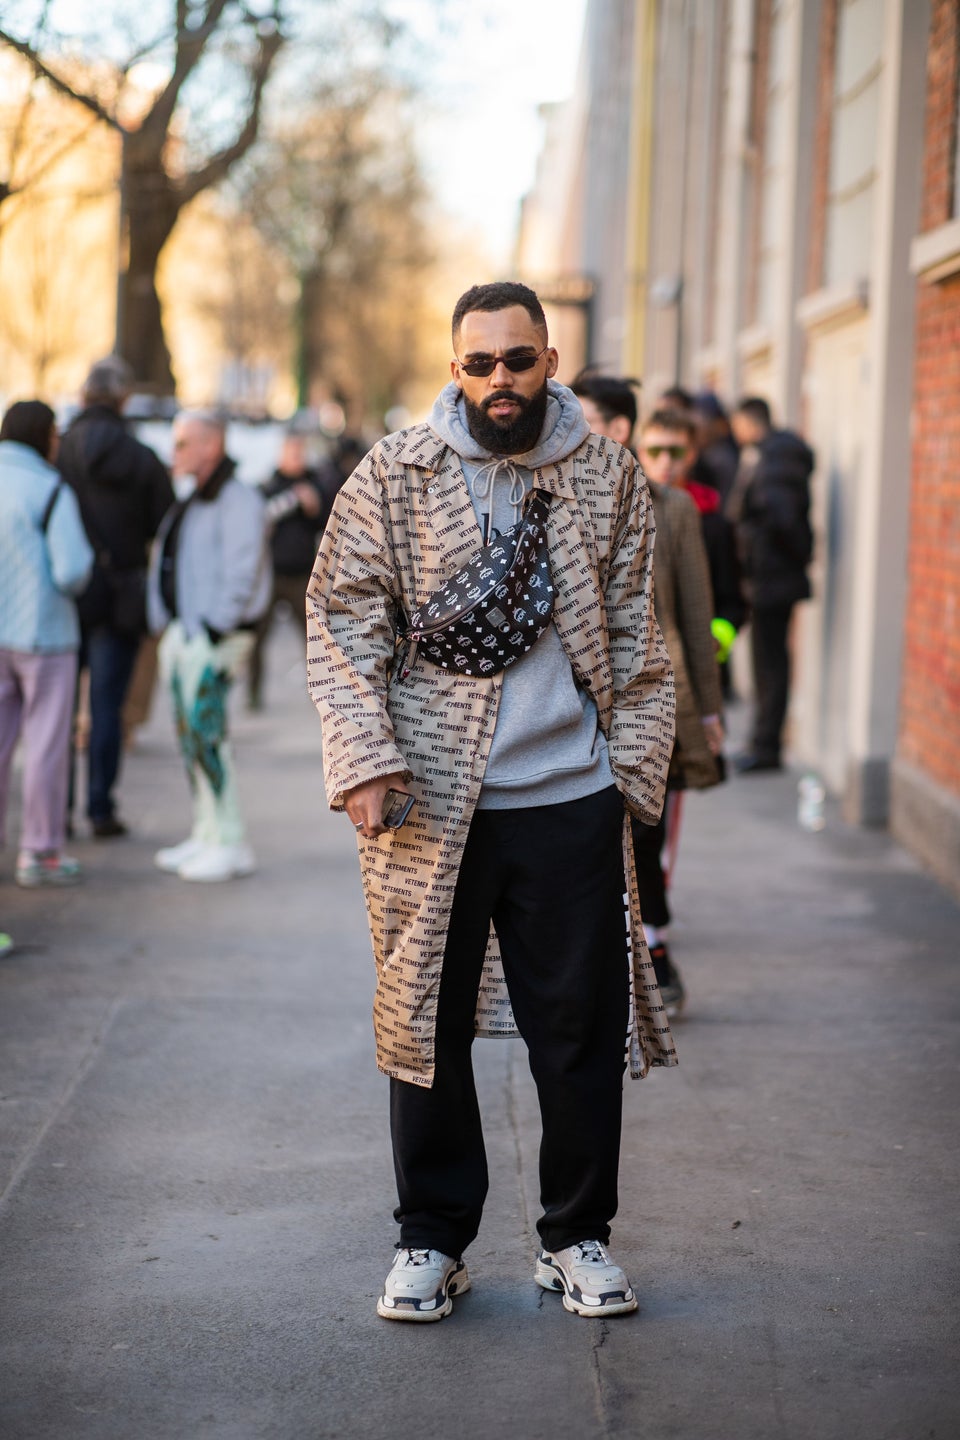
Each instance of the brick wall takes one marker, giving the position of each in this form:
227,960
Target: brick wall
930,701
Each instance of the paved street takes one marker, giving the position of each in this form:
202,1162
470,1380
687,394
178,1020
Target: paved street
195,1175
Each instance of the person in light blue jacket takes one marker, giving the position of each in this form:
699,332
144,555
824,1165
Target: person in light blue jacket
45,560
208,586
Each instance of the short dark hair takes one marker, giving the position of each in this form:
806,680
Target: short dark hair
756,409
29,422
499,295
109,382
676,398
613,395
668,418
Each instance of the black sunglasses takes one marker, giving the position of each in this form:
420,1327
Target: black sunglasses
516,364
676,452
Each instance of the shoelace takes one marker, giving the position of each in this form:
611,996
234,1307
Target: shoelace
416,1257
593,1253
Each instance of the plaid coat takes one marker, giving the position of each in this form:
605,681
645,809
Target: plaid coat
401,526
684,608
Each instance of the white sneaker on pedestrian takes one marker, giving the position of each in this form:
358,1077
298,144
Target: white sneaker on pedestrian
218,862
421,1285
591,1282
174,856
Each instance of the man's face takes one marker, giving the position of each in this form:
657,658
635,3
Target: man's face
293,456
617,428
505,409
745,429
665,455
197,449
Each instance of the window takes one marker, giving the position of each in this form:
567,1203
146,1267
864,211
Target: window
853,143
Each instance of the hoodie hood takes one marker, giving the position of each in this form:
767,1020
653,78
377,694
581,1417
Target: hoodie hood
791,455
564,428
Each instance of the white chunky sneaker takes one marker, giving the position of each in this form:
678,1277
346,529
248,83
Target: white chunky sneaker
174,856
421,1285
591,1283
218,862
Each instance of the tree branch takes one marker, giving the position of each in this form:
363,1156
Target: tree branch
191,43
24,48
8,190
219,164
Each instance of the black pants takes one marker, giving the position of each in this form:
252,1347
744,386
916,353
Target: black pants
109,658
551,879
770,629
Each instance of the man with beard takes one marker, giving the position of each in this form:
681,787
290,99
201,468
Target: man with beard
497,905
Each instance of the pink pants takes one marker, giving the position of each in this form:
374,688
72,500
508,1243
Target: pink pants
36,699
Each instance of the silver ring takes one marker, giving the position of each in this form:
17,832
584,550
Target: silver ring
360,826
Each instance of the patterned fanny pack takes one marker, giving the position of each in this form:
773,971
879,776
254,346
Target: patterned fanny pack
494,609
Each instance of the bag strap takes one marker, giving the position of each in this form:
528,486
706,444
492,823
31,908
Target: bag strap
48,508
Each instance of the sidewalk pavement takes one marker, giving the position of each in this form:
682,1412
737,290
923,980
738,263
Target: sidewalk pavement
195,1175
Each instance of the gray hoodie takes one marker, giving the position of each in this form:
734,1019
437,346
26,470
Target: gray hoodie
547,746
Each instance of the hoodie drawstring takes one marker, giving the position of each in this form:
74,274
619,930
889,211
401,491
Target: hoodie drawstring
483,487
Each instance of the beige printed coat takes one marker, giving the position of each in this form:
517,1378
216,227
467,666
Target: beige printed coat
401,526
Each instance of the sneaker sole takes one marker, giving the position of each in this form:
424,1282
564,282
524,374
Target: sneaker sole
238,873
549,1279
43,882
458,1286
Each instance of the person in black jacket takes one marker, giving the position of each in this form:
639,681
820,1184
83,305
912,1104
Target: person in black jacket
124,491
770,506
299,500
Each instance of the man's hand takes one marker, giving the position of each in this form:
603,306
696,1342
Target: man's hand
307,497
713,731
364,804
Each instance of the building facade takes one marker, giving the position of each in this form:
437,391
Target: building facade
787,223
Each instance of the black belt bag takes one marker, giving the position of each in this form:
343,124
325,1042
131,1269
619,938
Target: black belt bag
494,609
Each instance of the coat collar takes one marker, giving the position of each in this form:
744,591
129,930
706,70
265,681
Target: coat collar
422,448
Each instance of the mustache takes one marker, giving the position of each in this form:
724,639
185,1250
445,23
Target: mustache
520,400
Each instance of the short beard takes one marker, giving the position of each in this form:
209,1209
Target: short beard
519,435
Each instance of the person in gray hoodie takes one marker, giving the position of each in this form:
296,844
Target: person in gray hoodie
520,780
208,586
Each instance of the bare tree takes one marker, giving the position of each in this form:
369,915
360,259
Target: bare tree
161,168
338,191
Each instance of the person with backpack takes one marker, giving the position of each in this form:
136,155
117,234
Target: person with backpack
45,561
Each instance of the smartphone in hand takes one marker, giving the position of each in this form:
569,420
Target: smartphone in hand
397,805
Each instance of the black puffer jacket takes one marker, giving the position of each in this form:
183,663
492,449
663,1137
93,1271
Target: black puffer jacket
296,535
123,489
773,525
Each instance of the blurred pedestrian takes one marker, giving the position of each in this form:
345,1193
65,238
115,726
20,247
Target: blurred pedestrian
717,451
770,507
609,404
45,560
522,735
299,499
209,586
669,455
684,609
124,491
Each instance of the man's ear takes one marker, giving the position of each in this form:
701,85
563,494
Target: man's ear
553,362
455,372
619,429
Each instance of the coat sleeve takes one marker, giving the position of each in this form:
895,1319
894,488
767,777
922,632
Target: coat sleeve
351,610
642,724
71,556
244,540
694,602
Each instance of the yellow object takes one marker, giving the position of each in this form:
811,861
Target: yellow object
724,635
